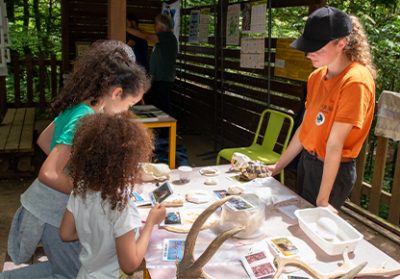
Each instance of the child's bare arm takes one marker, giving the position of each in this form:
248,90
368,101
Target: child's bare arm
45,138
68,228
131,252
52,171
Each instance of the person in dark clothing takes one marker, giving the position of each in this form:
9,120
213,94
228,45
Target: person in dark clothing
138,45
162,61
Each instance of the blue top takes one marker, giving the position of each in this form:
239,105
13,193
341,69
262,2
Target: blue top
45,203
140,50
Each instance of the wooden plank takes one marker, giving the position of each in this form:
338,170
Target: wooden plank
281,101
65,39
3,96
198,69
5,127
53,76
196,49
377,178
196,59
116,20
241,117
201,80
15,132
356,192
29,79
42,84
17,79
294,89
26,142
394,208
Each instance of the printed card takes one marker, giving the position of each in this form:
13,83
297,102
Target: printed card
139,200
258,265
172,218
283,246
239,204
173,249
221,194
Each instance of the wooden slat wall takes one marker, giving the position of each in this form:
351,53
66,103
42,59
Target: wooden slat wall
219,96
87,19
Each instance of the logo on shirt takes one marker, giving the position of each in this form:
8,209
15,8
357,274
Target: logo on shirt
320,119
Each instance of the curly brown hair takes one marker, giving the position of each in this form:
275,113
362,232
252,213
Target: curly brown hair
105,156
357,48
105,65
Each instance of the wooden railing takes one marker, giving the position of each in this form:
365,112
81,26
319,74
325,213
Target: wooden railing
35,81
379,200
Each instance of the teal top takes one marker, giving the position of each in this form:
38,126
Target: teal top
65,124
45,203
163,58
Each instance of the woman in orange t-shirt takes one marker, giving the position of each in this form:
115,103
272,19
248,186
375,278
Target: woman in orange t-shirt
339,107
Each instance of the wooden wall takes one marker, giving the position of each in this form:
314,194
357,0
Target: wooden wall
221,98
86,21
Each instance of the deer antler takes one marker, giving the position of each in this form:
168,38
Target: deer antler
281,262
346,271
188,268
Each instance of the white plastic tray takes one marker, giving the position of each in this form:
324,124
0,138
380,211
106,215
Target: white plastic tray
346,237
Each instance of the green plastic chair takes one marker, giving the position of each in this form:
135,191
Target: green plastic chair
264,152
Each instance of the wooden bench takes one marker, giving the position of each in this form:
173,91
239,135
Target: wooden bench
16,141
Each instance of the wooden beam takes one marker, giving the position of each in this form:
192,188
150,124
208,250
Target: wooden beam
377,178
66,65
117,20
394,208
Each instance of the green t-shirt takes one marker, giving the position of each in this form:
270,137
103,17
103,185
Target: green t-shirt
65,124
163,58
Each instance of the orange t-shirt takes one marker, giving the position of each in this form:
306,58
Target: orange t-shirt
348,98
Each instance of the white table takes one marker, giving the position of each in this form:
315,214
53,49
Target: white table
225,263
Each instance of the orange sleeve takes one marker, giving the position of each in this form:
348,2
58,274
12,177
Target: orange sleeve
353,104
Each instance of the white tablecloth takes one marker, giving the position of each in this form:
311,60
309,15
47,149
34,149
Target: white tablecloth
225,263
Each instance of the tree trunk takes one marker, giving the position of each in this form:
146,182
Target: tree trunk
37,15
26,14
38,23
10,10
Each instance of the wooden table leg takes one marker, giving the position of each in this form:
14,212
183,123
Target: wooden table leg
146,274
172,145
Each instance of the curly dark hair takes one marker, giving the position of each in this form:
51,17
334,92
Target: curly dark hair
105,65
105,156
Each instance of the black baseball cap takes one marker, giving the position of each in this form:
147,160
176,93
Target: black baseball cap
322,26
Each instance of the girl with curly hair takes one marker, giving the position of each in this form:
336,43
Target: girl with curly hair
106,152
106,79
339,107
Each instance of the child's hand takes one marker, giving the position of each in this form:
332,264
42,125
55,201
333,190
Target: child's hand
157,214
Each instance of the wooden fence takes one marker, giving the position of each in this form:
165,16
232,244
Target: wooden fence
35,81
379,200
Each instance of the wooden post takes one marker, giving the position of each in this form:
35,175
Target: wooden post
53,75
394,208
65,35
117,20
42,83
17,85
357,190
29,79
379,172
3,96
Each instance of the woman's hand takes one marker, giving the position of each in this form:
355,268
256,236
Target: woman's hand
272,169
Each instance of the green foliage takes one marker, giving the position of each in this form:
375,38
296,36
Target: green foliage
35,30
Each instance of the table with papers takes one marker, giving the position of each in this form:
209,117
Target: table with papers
279,222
